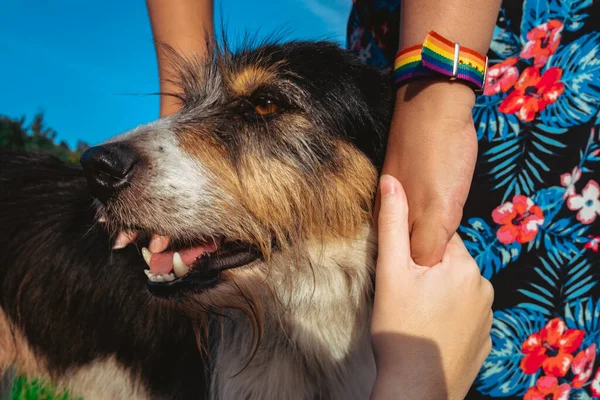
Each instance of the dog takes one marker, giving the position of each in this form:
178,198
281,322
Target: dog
224,252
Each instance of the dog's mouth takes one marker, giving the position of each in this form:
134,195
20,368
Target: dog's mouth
174,267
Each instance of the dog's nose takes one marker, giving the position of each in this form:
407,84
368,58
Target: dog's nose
108,168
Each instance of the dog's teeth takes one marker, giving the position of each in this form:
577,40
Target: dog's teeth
147,254
124,238
159,278
155,278
179,266
158,243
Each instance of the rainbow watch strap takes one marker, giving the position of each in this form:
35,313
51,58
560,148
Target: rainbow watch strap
438,55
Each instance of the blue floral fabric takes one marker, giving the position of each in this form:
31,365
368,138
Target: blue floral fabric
532,221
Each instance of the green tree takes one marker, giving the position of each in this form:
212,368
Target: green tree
15,135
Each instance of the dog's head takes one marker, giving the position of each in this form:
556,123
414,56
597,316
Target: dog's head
273,147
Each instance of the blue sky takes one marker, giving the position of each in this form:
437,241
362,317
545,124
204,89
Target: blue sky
86,64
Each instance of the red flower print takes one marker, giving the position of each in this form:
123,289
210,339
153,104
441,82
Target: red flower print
592,244
533,93
551,349
542,42
520,220
582,366
501,77
595,386
588,203
547,388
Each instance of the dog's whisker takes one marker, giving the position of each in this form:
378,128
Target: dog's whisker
261,186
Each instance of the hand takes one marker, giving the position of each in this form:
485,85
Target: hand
432,150
431,326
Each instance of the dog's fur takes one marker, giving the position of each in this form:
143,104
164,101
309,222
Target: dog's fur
292,325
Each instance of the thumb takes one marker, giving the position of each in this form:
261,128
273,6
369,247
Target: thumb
431,232
392,226
428,241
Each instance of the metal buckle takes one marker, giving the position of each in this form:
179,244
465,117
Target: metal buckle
456,61
484,76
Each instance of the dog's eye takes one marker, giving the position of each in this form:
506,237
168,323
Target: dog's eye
265,106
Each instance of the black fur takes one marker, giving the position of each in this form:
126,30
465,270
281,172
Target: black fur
75,300
72,297
356,98
349,99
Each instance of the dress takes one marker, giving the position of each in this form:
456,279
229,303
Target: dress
532,220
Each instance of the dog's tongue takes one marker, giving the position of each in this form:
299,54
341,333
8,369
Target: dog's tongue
162,263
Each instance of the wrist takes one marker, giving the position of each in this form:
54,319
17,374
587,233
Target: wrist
438,91
432,122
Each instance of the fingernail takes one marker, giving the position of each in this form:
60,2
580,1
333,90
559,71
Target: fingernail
387,185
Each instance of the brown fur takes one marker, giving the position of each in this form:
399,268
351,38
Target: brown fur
296,182
280,199
14,349
244,82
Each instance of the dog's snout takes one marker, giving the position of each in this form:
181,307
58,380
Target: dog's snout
108,168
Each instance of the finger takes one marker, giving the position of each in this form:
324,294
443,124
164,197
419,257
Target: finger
393,248
392,227
428,240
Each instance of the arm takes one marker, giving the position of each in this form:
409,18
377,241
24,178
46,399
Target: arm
430,328
432,147
469,22
183,25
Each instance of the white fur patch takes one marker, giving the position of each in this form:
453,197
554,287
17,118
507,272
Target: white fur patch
104,380
317,344
173,192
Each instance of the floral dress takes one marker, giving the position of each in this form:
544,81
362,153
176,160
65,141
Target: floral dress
532,221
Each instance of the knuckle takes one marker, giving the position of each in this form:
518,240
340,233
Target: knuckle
470,269
471,266
488,289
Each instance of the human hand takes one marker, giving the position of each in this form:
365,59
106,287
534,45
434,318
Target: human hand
431,325
432,150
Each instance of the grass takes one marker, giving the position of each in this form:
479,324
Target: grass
25,389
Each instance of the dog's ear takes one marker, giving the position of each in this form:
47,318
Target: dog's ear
355,95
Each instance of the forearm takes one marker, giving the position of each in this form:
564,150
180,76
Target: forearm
184,25
469,22
432,143
411,382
